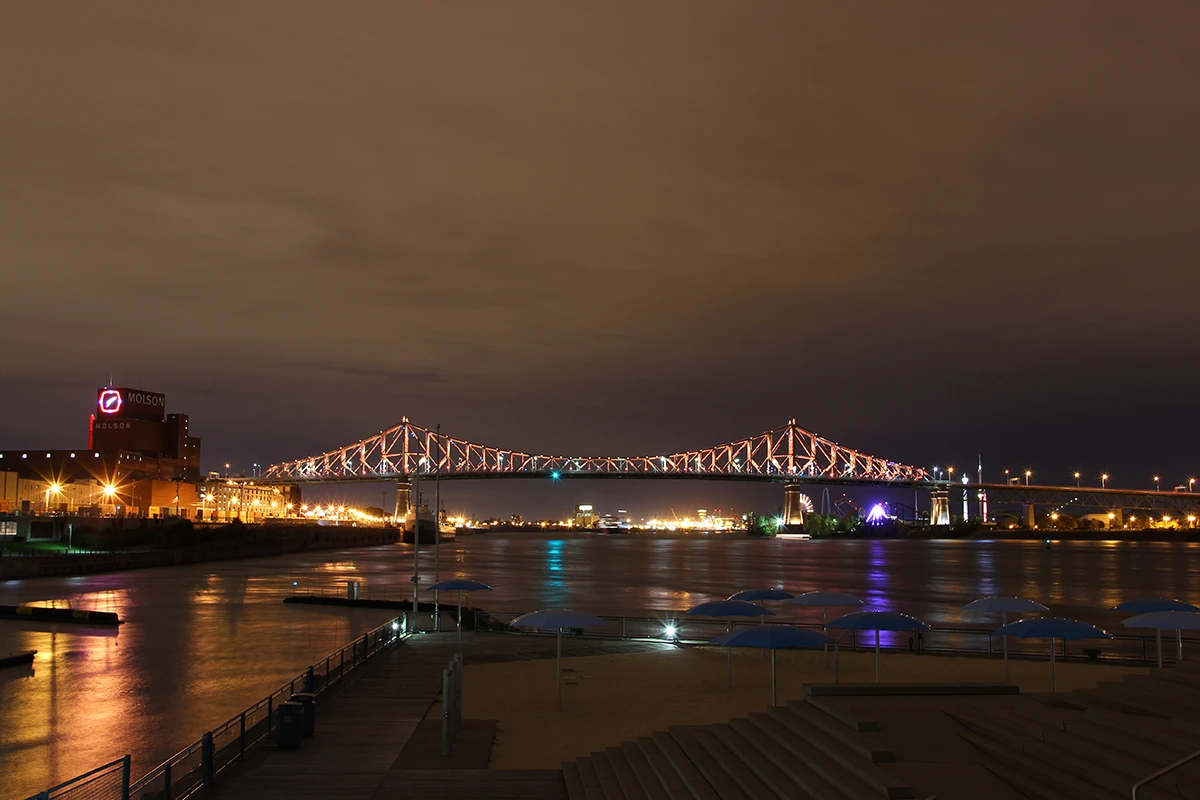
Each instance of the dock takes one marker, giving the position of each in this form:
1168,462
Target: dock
364,728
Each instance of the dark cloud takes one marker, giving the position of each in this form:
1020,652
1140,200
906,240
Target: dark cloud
927,231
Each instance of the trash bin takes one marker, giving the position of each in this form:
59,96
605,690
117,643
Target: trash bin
309,701
289,725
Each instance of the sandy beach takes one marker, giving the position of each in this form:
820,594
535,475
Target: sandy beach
608,699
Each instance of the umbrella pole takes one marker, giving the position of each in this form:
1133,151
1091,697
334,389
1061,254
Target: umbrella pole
1158,645
558,674
1179,645
774,702
825,630
877,656
729,660
837,663
1003,622
460,616
1053,681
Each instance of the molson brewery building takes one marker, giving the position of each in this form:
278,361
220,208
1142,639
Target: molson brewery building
139,461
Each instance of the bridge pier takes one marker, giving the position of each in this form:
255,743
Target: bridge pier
793,505
939,507
1116,518
403,501
1027,515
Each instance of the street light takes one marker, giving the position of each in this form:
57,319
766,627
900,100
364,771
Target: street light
1076,480
1156,486
1028,475
1103,481
1191,483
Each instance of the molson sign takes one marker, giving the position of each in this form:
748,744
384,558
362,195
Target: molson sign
121,403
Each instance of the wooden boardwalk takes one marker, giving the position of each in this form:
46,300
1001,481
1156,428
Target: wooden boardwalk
362,729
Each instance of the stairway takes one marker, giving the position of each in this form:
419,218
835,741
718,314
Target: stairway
1093,744
786,752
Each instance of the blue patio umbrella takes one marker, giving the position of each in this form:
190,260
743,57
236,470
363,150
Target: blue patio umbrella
825,600
878,621
461,585
774,637
751,595
557,620
1052,628
1149,605
761,595
1170,620
1002,606
728,609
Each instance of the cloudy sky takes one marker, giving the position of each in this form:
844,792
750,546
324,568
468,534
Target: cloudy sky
928,230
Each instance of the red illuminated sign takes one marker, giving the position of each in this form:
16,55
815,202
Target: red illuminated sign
110,401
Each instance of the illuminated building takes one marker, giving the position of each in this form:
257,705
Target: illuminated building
585,516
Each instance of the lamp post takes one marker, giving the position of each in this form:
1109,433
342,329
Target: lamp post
1156,484
1076,480
1103,480
1028,475
437,523
1191,483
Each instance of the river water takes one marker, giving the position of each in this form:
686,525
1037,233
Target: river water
202,642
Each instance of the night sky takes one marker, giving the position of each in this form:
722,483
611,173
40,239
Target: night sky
927,230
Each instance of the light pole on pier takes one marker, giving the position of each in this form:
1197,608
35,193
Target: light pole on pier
437,524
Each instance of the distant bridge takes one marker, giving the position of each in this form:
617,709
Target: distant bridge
788,454
784,454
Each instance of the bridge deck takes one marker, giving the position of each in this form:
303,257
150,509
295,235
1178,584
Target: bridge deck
362,730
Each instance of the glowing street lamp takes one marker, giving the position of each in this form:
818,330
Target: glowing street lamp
1028,475
1156,486
1191,483
1076,480
1103,480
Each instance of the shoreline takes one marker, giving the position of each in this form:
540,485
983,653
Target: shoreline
256,543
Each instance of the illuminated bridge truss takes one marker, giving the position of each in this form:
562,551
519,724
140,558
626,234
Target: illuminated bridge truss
785,453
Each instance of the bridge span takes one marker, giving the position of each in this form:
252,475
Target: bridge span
788,454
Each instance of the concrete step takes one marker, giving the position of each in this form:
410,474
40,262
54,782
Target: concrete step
758,777
829,768
608,779
807,779
1030,787
631,787
688,774
575,788
589,779
1085,765
1172,738
871,749
984,726
847,757
1095,698
1183,700
989,747
727,788
651,785
1052,777
847,717
1108,746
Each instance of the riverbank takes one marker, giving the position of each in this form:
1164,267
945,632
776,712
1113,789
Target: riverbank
254,542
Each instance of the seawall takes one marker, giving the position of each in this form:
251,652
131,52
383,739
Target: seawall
256,543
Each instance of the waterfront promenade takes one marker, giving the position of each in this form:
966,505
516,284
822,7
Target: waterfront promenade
362,730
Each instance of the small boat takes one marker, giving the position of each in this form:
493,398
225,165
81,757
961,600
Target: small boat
23,658
796,536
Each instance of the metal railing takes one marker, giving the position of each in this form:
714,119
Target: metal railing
198,764
1122,648
1167,770
102,783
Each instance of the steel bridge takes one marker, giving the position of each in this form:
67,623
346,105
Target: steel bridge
788,454
784,454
